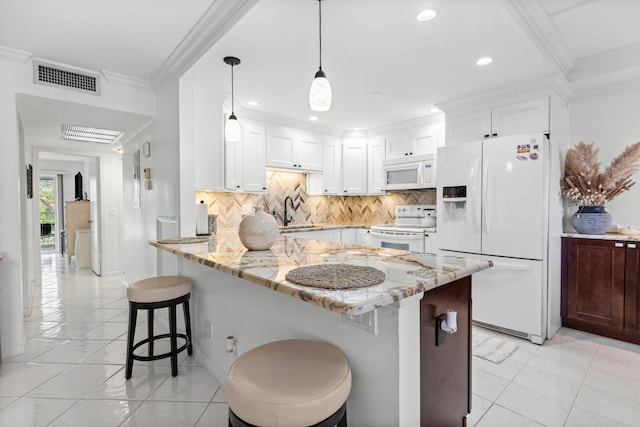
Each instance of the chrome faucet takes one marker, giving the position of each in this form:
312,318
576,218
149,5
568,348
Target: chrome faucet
286,219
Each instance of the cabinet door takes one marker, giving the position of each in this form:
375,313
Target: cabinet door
467,127
280,143
522,117
399,146
332,173
632,287
233,165
354,167
427,139
307,153
375,156
254,148
595,282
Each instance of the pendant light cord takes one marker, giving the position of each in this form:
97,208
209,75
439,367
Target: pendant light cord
232,112
320,30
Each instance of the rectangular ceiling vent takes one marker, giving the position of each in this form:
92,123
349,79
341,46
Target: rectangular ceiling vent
46,74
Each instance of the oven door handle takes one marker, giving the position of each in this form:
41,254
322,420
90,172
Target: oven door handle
396,236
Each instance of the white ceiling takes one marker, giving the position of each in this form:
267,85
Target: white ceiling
384,66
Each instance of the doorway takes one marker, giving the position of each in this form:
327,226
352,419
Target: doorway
48,209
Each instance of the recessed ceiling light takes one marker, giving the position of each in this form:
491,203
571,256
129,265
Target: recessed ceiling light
427,15
253,103
357,129
313,118
89,134
484,61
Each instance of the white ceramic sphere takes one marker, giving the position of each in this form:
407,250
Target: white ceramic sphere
259,230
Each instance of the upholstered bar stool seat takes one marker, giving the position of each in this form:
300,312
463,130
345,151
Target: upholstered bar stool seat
150,294
290,383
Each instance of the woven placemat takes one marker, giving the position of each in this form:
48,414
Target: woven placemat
336,276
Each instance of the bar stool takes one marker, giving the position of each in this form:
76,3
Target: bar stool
289,383
149,294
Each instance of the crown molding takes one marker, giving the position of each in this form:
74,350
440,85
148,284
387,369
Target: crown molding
612,62
14,55
408,125
553,83
214,23
285,121
532,18
125,80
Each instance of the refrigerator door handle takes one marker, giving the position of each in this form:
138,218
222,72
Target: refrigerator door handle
485,195
475,177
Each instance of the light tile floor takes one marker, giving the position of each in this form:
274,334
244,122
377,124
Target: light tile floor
71,373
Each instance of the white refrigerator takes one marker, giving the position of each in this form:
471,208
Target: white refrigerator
493,204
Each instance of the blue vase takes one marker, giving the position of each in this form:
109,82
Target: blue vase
591,220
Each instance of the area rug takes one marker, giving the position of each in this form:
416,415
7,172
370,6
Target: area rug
492,348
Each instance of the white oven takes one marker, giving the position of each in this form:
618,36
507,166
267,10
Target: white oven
410,232
398,239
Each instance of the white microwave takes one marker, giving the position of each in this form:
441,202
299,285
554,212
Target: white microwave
410,173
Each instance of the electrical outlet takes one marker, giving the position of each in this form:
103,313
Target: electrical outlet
366,321
247,209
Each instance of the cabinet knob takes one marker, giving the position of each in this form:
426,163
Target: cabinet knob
264,188
486,135
345,191
326,191
494,135
237,186
295,166
406,154
411,154
631,245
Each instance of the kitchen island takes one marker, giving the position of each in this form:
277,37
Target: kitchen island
387,331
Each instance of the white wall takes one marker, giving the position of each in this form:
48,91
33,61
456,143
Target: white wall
138,258
17,223
610,118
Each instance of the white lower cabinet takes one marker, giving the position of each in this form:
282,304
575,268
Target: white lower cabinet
364,237
326,235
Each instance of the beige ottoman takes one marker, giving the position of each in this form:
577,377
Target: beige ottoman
289,383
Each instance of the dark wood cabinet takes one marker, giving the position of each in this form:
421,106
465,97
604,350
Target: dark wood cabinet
445,370
600,281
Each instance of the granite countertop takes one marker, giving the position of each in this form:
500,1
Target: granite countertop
606,236
407,273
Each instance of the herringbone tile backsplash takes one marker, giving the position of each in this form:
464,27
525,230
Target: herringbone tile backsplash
356,210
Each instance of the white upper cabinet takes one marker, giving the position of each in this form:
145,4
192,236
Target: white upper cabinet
354,166
245,161
375,156
293,149
419,140
254,141
332,172
511,119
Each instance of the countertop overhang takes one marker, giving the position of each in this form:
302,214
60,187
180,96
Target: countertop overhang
407,273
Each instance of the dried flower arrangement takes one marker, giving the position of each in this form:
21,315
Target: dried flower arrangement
583,181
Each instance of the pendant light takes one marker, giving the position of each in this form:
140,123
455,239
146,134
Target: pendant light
320,91
232,129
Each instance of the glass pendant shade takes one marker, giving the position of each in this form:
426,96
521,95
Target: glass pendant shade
232,130
320,93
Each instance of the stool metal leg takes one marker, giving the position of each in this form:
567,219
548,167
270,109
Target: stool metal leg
133,315
174,340
150,329
187,322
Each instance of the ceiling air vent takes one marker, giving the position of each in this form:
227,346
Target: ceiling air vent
46,74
